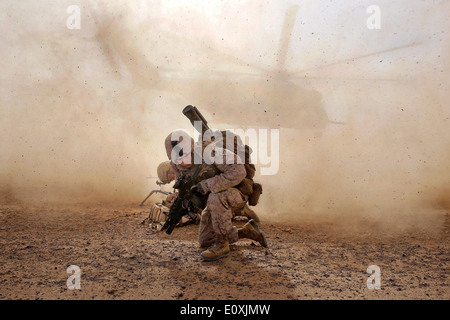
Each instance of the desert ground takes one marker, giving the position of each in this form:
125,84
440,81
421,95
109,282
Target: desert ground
120,259
351,115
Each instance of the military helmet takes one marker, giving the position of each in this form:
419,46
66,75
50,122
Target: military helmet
175,138
163,172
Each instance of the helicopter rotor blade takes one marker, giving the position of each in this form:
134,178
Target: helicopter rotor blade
414,44
285,38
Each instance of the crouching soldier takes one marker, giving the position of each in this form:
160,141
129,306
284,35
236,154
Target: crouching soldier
224,198
159,210
166,176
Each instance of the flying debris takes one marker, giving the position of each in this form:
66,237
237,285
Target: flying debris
269,97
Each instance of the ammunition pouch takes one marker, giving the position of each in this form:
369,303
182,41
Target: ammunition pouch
250,169
246,187
251,189
254,197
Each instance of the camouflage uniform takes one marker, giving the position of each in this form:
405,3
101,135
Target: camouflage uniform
224,201
217,217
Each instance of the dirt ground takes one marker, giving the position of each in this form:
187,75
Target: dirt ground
120,259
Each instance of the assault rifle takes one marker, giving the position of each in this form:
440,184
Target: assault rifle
188,200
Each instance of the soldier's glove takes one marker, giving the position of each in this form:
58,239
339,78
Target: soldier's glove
199,187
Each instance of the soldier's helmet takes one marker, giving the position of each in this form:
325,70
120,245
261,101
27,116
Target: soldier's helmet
176,139
163,172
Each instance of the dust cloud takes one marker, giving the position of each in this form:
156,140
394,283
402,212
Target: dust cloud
84,113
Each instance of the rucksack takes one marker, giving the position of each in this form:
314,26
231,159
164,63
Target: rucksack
248,187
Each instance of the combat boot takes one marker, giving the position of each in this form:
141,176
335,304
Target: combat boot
220,249
250,230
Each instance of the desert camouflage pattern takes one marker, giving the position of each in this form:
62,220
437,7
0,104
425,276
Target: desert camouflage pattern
223,201
217,217
157,217
230,174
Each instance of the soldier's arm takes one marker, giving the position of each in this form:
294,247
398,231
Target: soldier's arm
231,175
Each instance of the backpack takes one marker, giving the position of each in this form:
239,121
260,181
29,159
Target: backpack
248,187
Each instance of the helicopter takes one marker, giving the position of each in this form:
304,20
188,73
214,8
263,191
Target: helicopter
260,96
